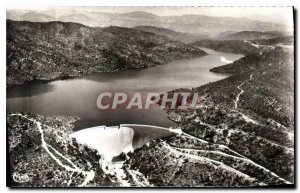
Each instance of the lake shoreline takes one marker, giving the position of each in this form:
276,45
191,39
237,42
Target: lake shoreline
70,77
46,80
178,74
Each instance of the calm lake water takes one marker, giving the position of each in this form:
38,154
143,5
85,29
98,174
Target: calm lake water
77,97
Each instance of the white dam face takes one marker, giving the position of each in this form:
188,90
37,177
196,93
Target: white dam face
109,141
112,141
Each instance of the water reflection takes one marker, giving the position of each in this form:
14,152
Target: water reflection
28,90
78,97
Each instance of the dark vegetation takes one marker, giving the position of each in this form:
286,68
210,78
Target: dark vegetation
174,35
32,165
231,146
284,40
47,51
254,35
261,128
229,46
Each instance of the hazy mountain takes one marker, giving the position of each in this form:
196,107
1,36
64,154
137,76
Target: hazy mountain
225,33
13,15
140,14
194,24
183,37
79,18
29,16
215,25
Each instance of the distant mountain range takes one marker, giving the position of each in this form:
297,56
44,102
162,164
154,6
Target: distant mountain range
193,24
29,16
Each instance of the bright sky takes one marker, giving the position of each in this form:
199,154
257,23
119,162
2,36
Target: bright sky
270,14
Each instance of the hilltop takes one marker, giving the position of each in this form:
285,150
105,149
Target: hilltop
51,50
265,59
178,36
242,133
245,47
229,46
253,35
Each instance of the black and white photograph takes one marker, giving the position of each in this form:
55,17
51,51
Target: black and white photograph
150,97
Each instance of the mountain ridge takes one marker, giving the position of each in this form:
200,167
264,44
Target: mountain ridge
184,23
174,35
253,35
50,50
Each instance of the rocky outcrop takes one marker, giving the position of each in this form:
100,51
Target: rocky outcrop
242,134
43,155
